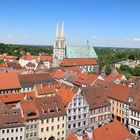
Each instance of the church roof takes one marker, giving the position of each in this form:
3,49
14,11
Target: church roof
80,52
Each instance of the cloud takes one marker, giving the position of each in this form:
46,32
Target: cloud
136,39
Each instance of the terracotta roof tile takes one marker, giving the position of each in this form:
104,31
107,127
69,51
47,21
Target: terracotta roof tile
9,80
113,76
71,136
10,118
37,58
66,94
78,62
16,97
112,131
85,79
29,110
7,56
96,97
119,92
58,74
49,107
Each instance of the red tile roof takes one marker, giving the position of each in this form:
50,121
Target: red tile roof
9,81
74,70
112,131
3,65
71,136
7,56
16,97
29,110
113,76
119,93
44,89
66,94
58,74
78,62
37,58
49,107
10,118
85,79
95,97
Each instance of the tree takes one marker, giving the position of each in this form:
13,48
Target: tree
126,68
108,70
1,61
137,71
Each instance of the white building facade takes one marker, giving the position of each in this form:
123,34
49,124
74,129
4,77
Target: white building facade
77,113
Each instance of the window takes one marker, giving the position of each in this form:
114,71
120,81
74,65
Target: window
84,123
69,126
62,125
27,135
2,131
16,138
74,117
47,128
69,118
79,124
58,118
12,138
52,127
47,121
35,133
16,130
42,121
84,115
41,129
20,129
31,134
20,137
7,130
52,119
62,132
74,125
58,133
63,118
57,126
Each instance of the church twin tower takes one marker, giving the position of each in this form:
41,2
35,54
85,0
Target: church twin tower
59,49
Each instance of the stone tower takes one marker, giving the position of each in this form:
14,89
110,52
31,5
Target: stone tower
59,46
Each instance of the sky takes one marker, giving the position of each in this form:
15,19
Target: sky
109,23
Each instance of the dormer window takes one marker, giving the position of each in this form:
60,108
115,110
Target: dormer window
5,113
15,113
51,111
31,113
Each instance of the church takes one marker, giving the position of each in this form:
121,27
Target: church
83,57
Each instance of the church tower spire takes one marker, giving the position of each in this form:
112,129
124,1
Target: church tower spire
62,30
57,31
59,46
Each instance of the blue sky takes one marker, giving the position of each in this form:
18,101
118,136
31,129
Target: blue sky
102,22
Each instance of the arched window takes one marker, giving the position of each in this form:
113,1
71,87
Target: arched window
51,138
132,131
